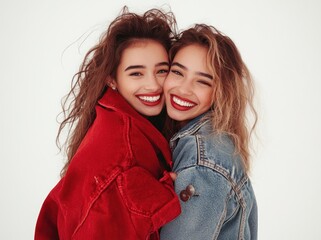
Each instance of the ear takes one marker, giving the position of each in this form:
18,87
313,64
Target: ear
112,84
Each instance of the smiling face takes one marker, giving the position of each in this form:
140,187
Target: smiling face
188,87
141,74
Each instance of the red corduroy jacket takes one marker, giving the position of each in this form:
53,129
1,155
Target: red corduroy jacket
116,186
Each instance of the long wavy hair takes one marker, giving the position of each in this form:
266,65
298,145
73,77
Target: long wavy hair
100,66
233,85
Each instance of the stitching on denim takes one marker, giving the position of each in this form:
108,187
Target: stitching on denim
200,148
223,216
189,131
242,182
243,206
235,187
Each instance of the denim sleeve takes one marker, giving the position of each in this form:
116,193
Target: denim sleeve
204,213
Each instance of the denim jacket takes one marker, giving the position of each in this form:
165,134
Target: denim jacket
216,195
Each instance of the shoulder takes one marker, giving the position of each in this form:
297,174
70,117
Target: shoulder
105,144
108,129
218,152
184,153
109,118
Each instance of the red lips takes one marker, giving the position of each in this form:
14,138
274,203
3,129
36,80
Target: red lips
181,104
150,99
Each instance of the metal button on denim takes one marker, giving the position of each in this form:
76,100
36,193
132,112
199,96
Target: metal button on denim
184,195
190,190
187,193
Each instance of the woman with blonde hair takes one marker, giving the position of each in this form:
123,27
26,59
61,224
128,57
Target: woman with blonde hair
208,92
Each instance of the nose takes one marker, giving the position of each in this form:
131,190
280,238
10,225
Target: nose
153,83
185,87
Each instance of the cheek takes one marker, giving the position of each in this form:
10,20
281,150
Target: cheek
168,83
208,98
166,86
161,81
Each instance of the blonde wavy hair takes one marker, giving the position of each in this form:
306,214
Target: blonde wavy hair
233,85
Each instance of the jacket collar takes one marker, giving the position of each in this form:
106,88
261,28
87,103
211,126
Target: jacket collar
114,101
190,128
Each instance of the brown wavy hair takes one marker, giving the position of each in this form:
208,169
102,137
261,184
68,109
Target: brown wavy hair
99,68
233,85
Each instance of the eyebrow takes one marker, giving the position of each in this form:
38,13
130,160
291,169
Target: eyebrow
205,75
162,64
143,66
179,65
198,73
134,67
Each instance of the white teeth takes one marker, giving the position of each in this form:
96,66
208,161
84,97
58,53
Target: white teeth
182,103
150,98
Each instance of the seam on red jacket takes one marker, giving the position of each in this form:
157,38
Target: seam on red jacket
121,191
166,213
100,189
127,137
124,195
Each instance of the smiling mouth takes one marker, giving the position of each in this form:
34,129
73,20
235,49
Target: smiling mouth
181,104
150,100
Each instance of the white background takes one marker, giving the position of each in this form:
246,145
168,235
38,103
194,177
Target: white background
42,44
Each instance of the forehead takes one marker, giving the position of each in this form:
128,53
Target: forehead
193,57
147,51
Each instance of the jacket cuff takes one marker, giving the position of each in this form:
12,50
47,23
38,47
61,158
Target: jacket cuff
167,213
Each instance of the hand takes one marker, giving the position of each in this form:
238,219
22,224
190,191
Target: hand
173,175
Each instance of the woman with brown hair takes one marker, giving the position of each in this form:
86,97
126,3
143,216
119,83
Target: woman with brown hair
208,92
115,184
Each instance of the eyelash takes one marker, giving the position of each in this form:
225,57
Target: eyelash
135,74
200,81
177,72
205,83
161,71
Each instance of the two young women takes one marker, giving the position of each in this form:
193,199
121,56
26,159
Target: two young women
116,183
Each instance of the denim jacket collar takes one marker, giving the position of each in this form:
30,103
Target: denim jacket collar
190,128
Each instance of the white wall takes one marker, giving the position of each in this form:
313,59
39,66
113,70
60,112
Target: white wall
43,42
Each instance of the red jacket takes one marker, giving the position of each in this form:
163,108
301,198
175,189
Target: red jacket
115,186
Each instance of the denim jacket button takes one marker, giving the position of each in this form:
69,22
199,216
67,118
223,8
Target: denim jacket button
184,195
190,190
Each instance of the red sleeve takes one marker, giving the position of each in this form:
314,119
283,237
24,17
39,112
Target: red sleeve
146,196
46,227
133,207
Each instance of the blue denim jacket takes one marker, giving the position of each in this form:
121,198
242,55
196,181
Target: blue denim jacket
216,195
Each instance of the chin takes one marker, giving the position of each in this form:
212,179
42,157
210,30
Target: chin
150,113
176,117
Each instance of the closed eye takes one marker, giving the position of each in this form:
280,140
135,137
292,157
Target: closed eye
205,83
